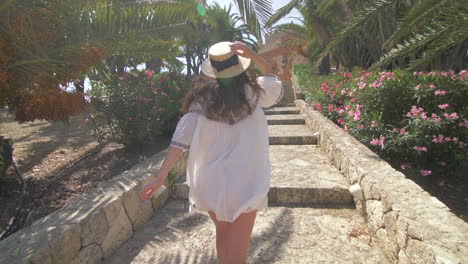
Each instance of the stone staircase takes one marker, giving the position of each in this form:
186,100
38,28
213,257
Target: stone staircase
311,218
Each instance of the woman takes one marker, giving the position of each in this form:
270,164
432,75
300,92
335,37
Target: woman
228,169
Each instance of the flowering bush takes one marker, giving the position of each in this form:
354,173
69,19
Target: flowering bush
136,107
416,121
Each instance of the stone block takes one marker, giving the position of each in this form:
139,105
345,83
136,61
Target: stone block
94,228
310,195
288,195
180,190
355,174
389,247
64,243
335,196
391,220
91,254
370,188
419,253
375,214
402,258
272,198
120,227
138,211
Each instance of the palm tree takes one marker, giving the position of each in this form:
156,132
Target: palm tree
368,32
219,24
45,44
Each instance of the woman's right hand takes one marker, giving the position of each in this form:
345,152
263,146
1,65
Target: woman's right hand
241,49
150,188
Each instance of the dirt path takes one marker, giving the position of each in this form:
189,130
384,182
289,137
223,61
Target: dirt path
43,149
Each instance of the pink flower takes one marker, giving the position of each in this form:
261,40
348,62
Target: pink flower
415,111
441,163
420,148
353,100
341,111
405,166
341,121
425,172
343,92
455,139
395,130
439,139
351,113
440,92
330,108
454,116
318,106
402,131
361,126
357,117
464,123
443,106
374,124
362,85
432,86
417,87
374,142
382,141
160,109
346,128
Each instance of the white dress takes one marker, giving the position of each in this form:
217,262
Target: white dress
228,169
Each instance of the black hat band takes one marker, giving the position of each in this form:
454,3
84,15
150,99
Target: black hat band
222,65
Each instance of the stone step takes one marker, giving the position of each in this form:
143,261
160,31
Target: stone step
281,236
300,175
282,110
285,120
291,135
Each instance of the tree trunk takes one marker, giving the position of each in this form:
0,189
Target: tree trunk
154,64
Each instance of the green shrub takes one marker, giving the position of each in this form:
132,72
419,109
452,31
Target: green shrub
136,107
415,121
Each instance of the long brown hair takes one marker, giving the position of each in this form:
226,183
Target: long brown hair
223,100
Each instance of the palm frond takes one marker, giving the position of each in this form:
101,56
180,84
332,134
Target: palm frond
445,31
282,12
417,17
291,28
255,13
326,8
369,12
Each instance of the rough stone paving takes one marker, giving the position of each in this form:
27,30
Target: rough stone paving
311,218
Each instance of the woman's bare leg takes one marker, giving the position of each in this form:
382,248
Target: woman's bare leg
239,236
222,232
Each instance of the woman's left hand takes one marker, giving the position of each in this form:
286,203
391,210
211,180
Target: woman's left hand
150,188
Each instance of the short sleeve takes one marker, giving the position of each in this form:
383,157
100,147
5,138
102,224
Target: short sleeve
273,90
185,129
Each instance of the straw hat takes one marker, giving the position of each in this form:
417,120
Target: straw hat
223,63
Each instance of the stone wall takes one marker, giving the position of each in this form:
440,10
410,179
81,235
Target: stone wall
92,226
408,223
